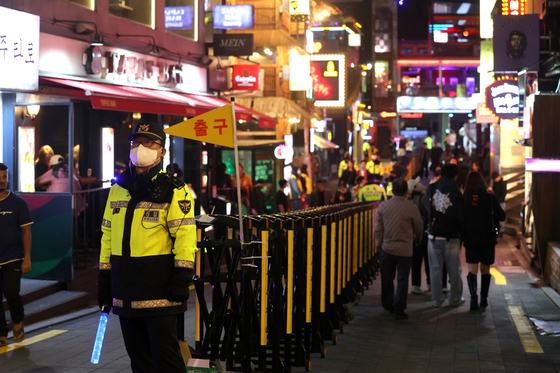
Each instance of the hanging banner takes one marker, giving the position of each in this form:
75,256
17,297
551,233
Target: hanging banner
214,127
233,16
246,77
233,44
516,42
502,98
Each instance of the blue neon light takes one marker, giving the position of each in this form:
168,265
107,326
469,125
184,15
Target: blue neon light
99,338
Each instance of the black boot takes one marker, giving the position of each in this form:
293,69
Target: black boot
471,280
484,286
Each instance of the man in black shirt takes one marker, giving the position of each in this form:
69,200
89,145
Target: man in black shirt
281,204
320,196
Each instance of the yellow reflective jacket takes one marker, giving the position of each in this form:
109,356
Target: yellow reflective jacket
343,165
142,243
308,188
375,168
371,192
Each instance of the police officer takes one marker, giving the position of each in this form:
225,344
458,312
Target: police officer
372,191
147,254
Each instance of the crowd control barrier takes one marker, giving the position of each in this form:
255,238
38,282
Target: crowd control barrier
284,292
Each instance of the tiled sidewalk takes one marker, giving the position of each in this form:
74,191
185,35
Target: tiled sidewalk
448,339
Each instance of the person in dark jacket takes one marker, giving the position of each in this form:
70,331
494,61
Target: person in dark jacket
435,155
482,216
258,205
320,196
500,190
349,175
342,195
444,201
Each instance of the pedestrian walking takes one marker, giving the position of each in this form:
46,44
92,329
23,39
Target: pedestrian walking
482,216
15,256
349,175
424,160
281,200
295,191
397,224
444,201
420,252
320,196
147,254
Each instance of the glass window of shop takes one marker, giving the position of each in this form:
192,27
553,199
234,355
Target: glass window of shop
90,4
42,132
141,11
245,158
181,18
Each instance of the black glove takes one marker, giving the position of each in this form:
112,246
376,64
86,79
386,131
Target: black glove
178,291
104,296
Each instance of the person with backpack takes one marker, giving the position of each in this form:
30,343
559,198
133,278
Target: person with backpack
483,215
304,184
444,201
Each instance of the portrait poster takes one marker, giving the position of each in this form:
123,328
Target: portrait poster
516,42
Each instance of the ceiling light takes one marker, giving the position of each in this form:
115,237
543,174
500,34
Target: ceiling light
96,40
325,13
33,110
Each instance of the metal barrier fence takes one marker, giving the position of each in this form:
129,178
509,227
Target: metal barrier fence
279,296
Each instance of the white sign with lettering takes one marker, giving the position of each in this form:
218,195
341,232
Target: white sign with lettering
19,50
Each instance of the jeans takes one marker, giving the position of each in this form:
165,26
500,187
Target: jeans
10,280
389,264
440,252
295,203
420,254
151,344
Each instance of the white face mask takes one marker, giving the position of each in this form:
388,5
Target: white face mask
142,156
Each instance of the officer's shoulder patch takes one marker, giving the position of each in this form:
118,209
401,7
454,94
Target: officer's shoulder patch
185,206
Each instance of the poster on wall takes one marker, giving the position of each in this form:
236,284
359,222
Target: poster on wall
516,42
328,75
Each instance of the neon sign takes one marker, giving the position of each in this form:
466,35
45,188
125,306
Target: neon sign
513,7
502,98
331,72
328,76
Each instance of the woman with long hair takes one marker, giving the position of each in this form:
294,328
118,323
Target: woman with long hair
482,216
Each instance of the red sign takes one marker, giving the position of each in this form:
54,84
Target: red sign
412,115
246,77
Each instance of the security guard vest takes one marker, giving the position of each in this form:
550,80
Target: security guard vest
143,241
374,168
341,167
371,192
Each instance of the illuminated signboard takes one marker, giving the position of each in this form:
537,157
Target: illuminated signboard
385,114
420,104
178,17
233,16
412,115
502,98
484,115
329,84
411,79
513,7
246,77
300,70
486,25
19,50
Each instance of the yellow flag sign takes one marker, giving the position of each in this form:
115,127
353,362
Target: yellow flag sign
215,127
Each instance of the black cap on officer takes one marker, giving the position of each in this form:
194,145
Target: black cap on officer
150,130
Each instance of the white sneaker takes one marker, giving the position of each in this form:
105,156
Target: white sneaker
416,290
428,288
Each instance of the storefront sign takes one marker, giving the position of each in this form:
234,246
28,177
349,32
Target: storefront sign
484,115
355,40
385,114
218,80
233,16
299,10
328,75
178,17
502,98
516,42
300,70
412,115
246,77
233,44
283,151
19,50
420,104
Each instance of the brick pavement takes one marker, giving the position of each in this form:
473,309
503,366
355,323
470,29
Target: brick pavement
448,339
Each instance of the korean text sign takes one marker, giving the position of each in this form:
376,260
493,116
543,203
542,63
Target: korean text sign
178,17
19,50
233,16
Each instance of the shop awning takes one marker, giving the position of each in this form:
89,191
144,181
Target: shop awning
134,99
280,107
323,144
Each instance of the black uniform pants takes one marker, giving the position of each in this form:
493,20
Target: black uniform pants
152,344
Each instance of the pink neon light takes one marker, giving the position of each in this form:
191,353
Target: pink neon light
542,165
